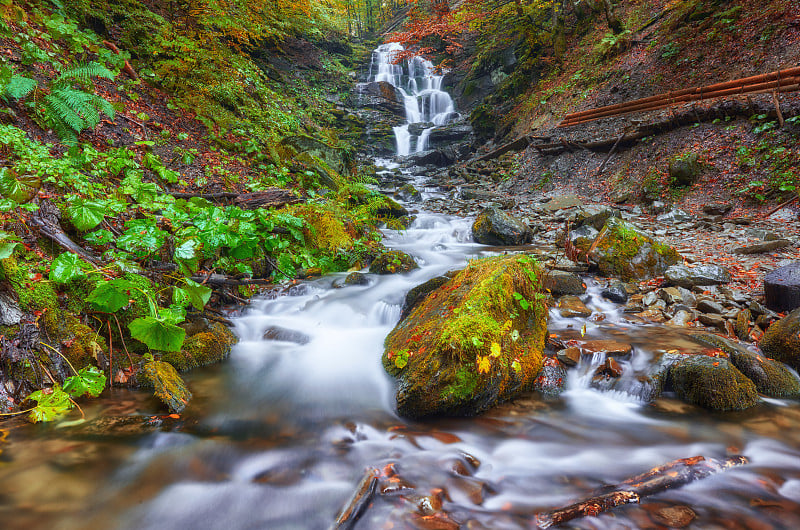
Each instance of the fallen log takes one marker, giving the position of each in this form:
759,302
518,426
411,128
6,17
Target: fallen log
222,280
359,501
271,198
46,219
668,476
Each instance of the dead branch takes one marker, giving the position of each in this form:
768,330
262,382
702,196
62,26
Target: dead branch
46,219
671,475
358,503
271,198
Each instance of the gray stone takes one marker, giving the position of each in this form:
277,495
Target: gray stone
650,298
710,306
714,321
572,306
717,209
681,318
562,202
616,292
674,216
569,356
356,278
10,312
782,287
687,277
767,246
593,215
495,227
560,283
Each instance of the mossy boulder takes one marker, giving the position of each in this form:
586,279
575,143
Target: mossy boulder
391,262
713,383
209,346
495,227
390,208
166,383
79,343
782,340
684,169
771,377
418,294
335,158
474,342
623,250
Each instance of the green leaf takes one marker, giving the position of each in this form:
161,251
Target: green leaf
110,296
85,214
89,380
186,250
8,242
51,404
157,334
99,237
199,294
66,267
18,189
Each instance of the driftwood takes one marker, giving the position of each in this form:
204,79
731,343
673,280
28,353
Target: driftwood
672,475
46,220
358,503
271,198
128,69
222,280
515,145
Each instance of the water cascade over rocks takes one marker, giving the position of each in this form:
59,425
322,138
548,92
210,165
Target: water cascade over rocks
420,87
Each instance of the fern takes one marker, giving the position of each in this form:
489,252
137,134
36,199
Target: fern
14,86
69,110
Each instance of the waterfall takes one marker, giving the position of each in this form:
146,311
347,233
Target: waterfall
420,88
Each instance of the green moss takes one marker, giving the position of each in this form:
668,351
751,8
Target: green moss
392,262
167,385
712,383
463,386
622,250
79,343
33,295
203,348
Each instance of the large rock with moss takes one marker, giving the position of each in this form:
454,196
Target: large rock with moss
472,343
495,227
166,383
712,383
209,344
782,340
391,262
623,250
332,157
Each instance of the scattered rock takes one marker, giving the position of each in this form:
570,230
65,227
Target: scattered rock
712,383
441,369
609,347
674,516
569,356
742,325
408,192
560,283
689,277
717,209
707,305
571,306
593,215
782,340
681,318
767,246
782,287
562,202
615,292
356,278
495,227
674,216
286,335
418,294
714,321
392,262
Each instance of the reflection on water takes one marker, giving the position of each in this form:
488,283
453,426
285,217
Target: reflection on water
279,436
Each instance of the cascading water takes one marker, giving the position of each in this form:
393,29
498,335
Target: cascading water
279,436
420,86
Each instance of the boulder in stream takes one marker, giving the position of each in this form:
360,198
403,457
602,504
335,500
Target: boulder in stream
495,227
623,250
470,345
391,262
713,383
782,340
689,277
166,383
782,287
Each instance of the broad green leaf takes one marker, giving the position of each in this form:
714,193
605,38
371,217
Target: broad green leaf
110,296
66,267
198,294
18,189
85,214
174,314
99,237
157,334
186,250
89,380
50,405
8,242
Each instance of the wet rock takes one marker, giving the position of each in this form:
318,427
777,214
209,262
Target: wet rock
560,283
286,335
610,368
771,377
782,287
356,278
712,383
567,265
418,294
409,193
569,356
767,246
432,157
571,306
674,516
689,277
392,262
707,305
391,208
440,367
616,292
455,132
381,95
714,321
782,340
208,346
332,157
650,298
552,380
167,385
495,227
624,251
593,215
609,347
681,318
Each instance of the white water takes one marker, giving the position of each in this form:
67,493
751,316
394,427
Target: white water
420,86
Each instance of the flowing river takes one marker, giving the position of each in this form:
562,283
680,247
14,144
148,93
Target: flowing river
279,436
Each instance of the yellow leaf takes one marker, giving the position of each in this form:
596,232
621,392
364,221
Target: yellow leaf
484,364
583,330
495,349
507,325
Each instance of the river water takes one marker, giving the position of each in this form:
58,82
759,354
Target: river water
279,435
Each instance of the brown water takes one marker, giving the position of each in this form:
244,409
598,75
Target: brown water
279,436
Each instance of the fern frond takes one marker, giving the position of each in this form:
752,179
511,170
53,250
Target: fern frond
60,106
18,87
83,74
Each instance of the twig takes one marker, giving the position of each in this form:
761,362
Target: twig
781,206
608,157
358,503
124,346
